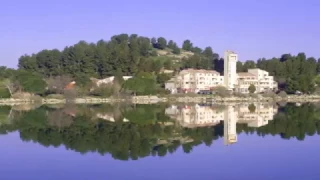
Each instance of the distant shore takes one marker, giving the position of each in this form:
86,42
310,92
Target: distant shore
169,98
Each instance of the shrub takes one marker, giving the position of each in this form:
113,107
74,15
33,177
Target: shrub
252,88
30,82
254,95
22,95
252,108
4,92
55,96
162,91
36,98
221,91
238,94
27,96
270,94
105,90
282,94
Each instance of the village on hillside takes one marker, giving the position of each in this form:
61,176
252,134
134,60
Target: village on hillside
202,81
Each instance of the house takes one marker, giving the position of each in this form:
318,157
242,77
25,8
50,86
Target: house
193,80
108,80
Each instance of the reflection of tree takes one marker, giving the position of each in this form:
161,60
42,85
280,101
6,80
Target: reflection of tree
59,119
145,135
252,108
5,114
121,140
291,121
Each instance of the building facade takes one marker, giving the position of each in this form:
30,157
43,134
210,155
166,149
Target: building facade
192,80
259,78
230,69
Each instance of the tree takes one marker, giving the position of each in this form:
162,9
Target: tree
6,73
104,90
208,52
252,108
187,45
162,78
154,41
131,54
10,86
119,77
30,82
221,91
161,43
175,49
171,44
252,88
196,50
142,84
248,65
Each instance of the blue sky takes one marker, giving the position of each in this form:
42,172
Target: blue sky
252,28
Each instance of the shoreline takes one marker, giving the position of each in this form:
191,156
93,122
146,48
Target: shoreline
166,99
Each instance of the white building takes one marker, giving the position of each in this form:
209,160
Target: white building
108,80
192,80
195,116
230,69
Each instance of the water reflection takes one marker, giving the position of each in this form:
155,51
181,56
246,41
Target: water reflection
254,115
136,131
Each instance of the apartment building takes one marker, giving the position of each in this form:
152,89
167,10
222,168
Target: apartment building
259,78
192,80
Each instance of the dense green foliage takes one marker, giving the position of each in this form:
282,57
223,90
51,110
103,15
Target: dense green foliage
131,54
128,53
147,132
4,92
12,81
30,82
142,84
292,72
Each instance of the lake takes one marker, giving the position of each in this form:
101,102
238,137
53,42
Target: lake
160,141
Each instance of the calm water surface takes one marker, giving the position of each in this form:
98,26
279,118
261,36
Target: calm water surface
238,141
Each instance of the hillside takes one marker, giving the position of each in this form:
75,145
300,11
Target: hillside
168,52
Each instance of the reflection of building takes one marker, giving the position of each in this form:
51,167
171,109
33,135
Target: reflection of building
230,125
109,117
256,115
195,116
192,80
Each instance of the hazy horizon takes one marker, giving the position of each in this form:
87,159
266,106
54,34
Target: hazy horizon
253,29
